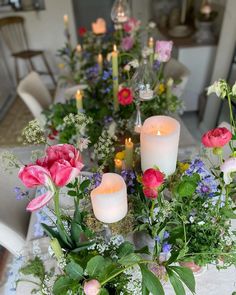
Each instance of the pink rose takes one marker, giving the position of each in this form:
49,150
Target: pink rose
125,96
152,179
127,43
163,50
92,287
131,25
216,138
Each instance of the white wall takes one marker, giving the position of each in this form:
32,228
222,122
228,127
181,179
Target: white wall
223,61
45,29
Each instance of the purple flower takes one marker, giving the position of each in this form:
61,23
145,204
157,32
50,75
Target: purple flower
127,43
207,186
20,194
96,179
92,73
107,74
107,119
156,65
129,177
166,247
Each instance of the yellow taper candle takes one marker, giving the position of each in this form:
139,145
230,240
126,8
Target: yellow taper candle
118,165
129,151
100,62
66,21
79,100
115,77
151,46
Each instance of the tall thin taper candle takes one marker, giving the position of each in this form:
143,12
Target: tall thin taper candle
129,150
115,77
100,62
151,46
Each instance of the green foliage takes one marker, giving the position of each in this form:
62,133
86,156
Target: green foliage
35,268
151,282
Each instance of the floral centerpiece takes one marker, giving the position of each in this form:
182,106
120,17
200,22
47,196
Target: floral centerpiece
179,221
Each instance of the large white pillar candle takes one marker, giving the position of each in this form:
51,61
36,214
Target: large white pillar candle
159,142
109,199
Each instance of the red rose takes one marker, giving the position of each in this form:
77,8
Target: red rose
82,31
152,179
217,137
125,96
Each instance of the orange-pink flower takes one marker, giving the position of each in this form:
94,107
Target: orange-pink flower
216,138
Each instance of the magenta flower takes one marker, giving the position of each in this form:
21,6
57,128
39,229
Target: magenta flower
131,25
163,50
59,167
127,43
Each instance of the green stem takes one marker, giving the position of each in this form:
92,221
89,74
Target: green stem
123,269
57,204
29,281
152,210
232,123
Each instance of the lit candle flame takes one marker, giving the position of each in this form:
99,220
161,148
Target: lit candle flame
114,47
78,94
78,48
158,132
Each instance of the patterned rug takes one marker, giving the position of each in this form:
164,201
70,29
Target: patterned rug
12,124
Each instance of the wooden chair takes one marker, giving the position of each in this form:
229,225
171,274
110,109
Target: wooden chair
13,32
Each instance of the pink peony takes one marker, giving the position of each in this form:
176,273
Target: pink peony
125,96
92,287
152,179
131,25
216,138
127,43
163,50
59,167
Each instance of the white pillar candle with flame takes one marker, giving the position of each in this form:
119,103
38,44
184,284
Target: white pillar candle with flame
109,199
159,142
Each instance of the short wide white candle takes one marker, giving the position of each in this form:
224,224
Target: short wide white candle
159,142
109,199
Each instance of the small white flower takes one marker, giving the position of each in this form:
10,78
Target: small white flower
134,63
201,223
219,88
228,167
191,219
152,25
234,89
127,68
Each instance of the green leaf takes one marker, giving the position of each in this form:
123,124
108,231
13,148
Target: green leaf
35,268
103,291
95,265
186,188
175,282
151,282
74,270
63,234
72,193
186,276
84,185
144,290
62,285
53,234
125,249
82,246
76,230
129,259
144,250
